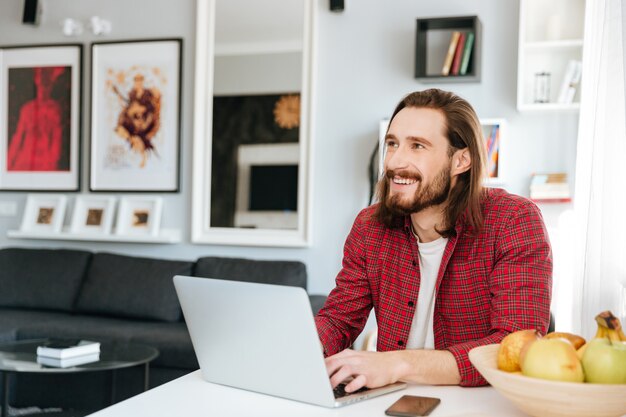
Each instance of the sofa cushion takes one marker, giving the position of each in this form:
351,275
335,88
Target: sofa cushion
41,278
127,286
291,273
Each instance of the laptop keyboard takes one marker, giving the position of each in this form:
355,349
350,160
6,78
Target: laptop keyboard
340,390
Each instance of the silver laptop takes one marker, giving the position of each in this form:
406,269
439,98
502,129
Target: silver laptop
260,337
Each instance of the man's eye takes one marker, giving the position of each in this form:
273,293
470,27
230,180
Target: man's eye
418,146
391,144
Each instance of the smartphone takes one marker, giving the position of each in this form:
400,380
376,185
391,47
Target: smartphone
412,406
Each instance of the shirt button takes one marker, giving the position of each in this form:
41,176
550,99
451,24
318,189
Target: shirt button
411,303
414,263
400,343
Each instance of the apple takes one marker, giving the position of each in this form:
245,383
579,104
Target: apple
604,362
511,347
553,359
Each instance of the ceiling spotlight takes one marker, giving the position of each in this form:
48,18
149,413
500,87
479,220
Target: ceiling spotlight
99,26
72,27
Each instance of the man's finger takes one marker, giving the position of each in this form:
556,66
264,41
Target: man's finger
332,365
358,382
340,376
336,361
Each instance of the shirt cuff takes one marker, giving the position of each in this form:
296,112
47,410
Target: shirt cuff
470,377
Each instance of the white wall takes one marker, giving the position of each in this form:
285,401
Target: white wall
364,66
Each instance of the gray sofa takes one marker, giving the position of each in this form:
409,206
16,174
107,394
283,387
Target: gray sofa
111,297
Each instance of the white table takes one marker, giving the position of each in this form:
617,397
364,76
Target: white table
190,396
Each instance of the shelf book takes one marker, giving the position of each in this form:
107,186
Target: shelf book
458,54
447,64
68,348
68,362
550,187
469,42
570,82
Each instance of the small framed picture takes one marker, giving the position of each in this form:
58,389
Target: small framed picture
44,213
40,117
494,132
93,215
135,118
139,216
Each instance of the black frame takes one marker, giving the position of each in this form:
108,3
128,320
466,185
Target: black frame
178,115
471,23
79,132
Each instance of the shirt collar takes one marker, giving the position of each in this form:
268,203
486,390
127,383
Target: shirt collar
458,228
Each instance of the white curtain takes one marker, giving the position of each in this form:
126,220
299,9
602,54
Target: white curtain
599,234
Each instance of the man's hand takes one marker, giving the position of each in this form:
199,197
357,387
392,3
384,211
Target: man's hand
375,369
369,369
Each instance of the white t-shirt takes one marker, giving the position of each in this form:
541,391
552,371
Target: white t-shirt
421,335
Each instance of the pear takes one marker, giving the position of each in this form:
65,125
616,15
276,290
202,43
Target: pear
553,359
574,339
604,362
511,347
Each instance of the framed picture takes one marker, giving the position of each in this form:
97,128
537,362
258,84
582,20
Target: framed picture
139,216
93,214
44,213
40,117
494,131
135,115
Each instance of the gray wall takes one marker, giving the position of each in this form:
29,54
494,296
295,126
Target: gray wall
257,74
364,66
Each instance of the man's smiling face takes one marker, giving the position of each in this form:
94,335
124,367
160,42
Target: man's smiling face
417,161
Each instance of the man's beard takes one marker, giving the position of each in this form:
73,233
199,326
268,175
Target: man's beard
425,196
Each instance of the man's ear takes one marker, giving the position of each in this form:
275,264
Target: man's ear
461,162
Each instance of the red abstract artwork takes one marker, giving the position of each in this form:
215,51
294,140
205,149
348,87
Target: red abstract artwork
39,106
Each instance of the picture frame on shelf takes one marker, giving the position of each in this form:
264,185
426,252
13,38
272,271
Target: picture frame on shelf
135,115
93,215
44,213
494,131
139,216
40,111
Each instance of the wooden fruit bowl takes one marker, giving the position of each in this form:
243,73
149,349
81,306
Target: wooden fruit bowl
543,398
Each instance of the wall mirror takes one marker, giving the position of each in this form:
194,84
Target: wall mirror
251,167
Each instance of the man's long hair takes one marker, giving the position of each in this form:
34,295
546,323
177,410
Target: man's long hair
463,130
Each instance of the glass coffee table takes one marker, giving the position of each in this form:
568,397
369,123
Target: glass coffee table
21,357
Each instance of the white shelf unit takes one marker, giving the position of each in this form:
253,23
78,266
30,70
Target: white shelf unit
550,35
164,236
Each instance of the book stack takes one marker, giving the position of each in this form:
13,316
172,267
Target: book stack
458,56
570,82
550,188
65,353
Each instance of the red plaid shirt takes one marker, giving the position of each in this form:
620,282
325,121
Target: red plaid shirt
489,284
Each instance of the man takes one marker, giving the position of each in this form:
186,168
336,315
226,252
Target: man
446,264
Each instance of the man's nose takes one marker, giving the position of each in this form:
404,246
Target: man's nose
396,159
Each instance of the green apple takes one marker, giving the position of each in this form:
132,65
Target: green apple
553,359
604,362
